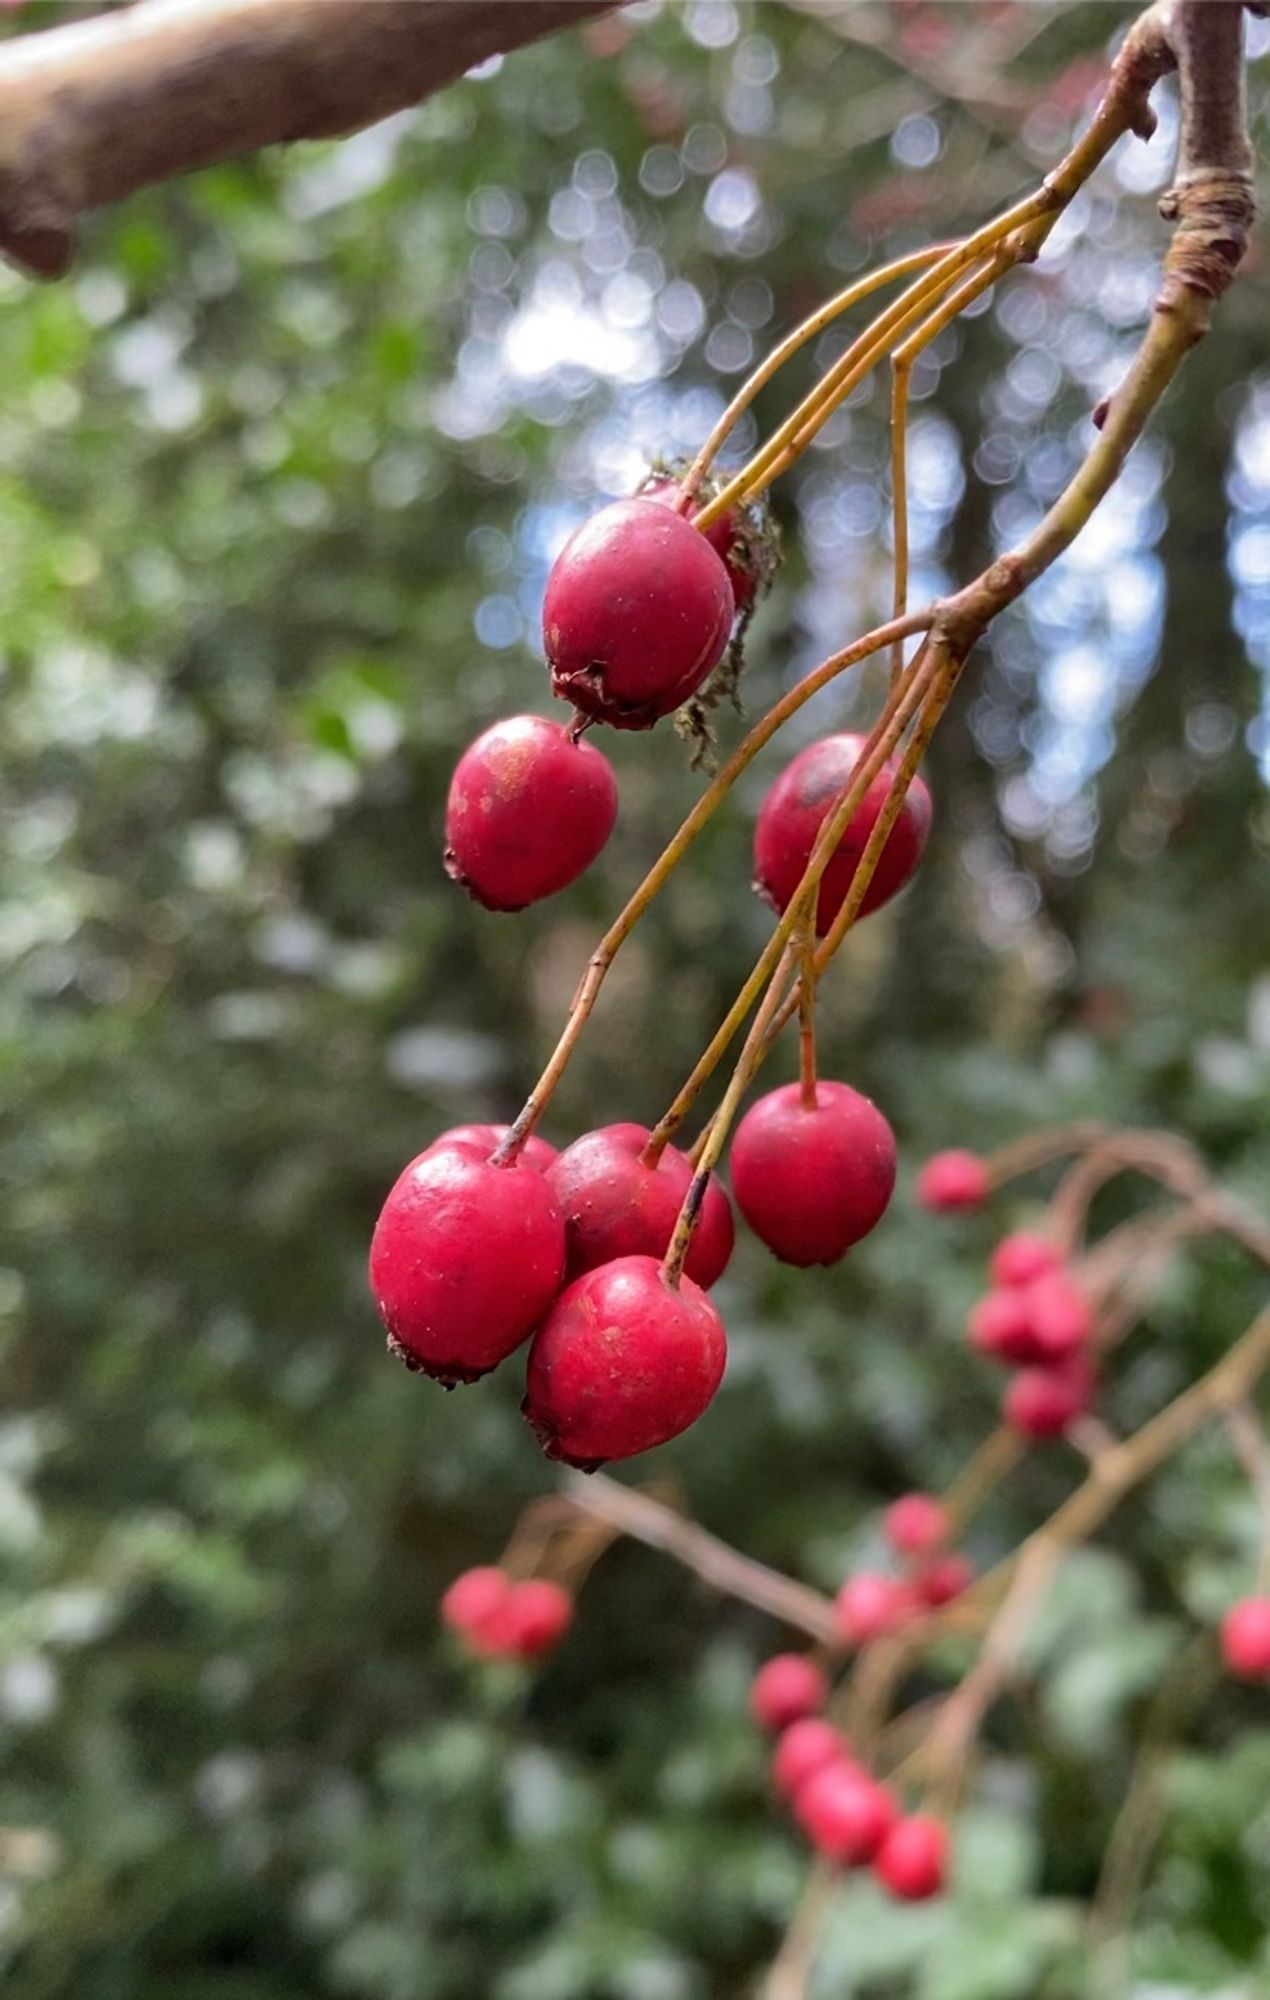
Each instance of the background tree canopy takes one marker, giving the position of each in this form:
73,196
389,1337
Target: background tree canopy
282,465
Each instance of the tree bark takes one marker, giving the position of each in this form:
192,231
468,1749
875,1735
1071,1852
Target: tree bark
92,111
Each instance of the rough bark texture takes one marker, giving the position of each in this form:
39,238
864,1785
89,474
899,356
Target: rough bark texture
91,111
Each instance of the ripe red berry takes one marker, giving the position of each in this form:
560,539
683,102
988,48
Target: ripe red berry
638,610
535,1618
1245,1638
615,1206
535,1152
951,1181
797,806
621,1363
465,1259
812,1183
1000,1326
528,810
803,1749
475,1601
869,1606
915,1525
845,1814
1060,1315
1043,1402
944,1580
725,537
785,1690
913,1859
1019,1258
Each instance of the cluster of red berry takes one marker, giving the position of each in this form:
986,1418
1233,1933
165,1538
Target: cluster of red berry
848,1815
497,1618
481,1243
872,1604
1035,1319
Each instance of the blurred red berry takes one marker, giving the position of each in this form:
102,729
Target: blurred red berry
803,1748
1043,1402
845,1814
535,1618
1245,1638
952,1181
869,1606
944,1580
1019,1258
1000,1326
915,1524
1060,1314
475,1600
913,1859
786,1689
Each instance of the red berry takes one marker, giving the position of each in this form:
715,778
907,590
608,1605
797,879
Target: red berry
1042,1402
621,1363
1245,1638
950,1181
785,1690
638,610
1000,1326
723,535
535,1618
913,1859
812,1183
475,1601
804,1748
615,1206
915,1524
1019,1258
1060,1315
944,1580
465,1259
528,810
797,806
535,1152
845,1814
869,1606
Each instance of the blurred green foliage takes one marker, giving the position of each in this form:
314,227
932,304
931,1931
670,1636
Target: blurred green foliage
281,466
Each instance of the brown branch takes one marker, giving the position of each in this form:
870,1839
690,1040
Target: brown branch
715,1562
93,110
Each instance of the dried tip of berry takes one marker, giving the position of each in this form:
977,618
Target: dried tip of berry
545,1433
447,1375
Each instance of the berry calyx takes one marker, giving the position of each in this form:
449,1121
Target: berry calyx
812,1181
785,1690
943,1581
727,537
535,1618
637,612
915,1525
475,1602
616,1206
952,1181
1245,1639
623,1361
464,1261
912,1861
869,1606
1044,1402
528,810
535,1152
803,1749
845,1814
1020,1258
797,806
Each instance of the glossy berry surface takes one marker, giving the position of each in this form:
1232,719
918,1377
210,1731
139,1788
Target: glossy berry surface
1245,1639
869,1606
912,1862
785,1690
845,1814
535,1152
1020,1258
528,811
535,1618
796,807
621,1363
951,1181
810,1183
725,537
803,1749
915,1524
637,612
464,1261
1043,1402
616,1206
